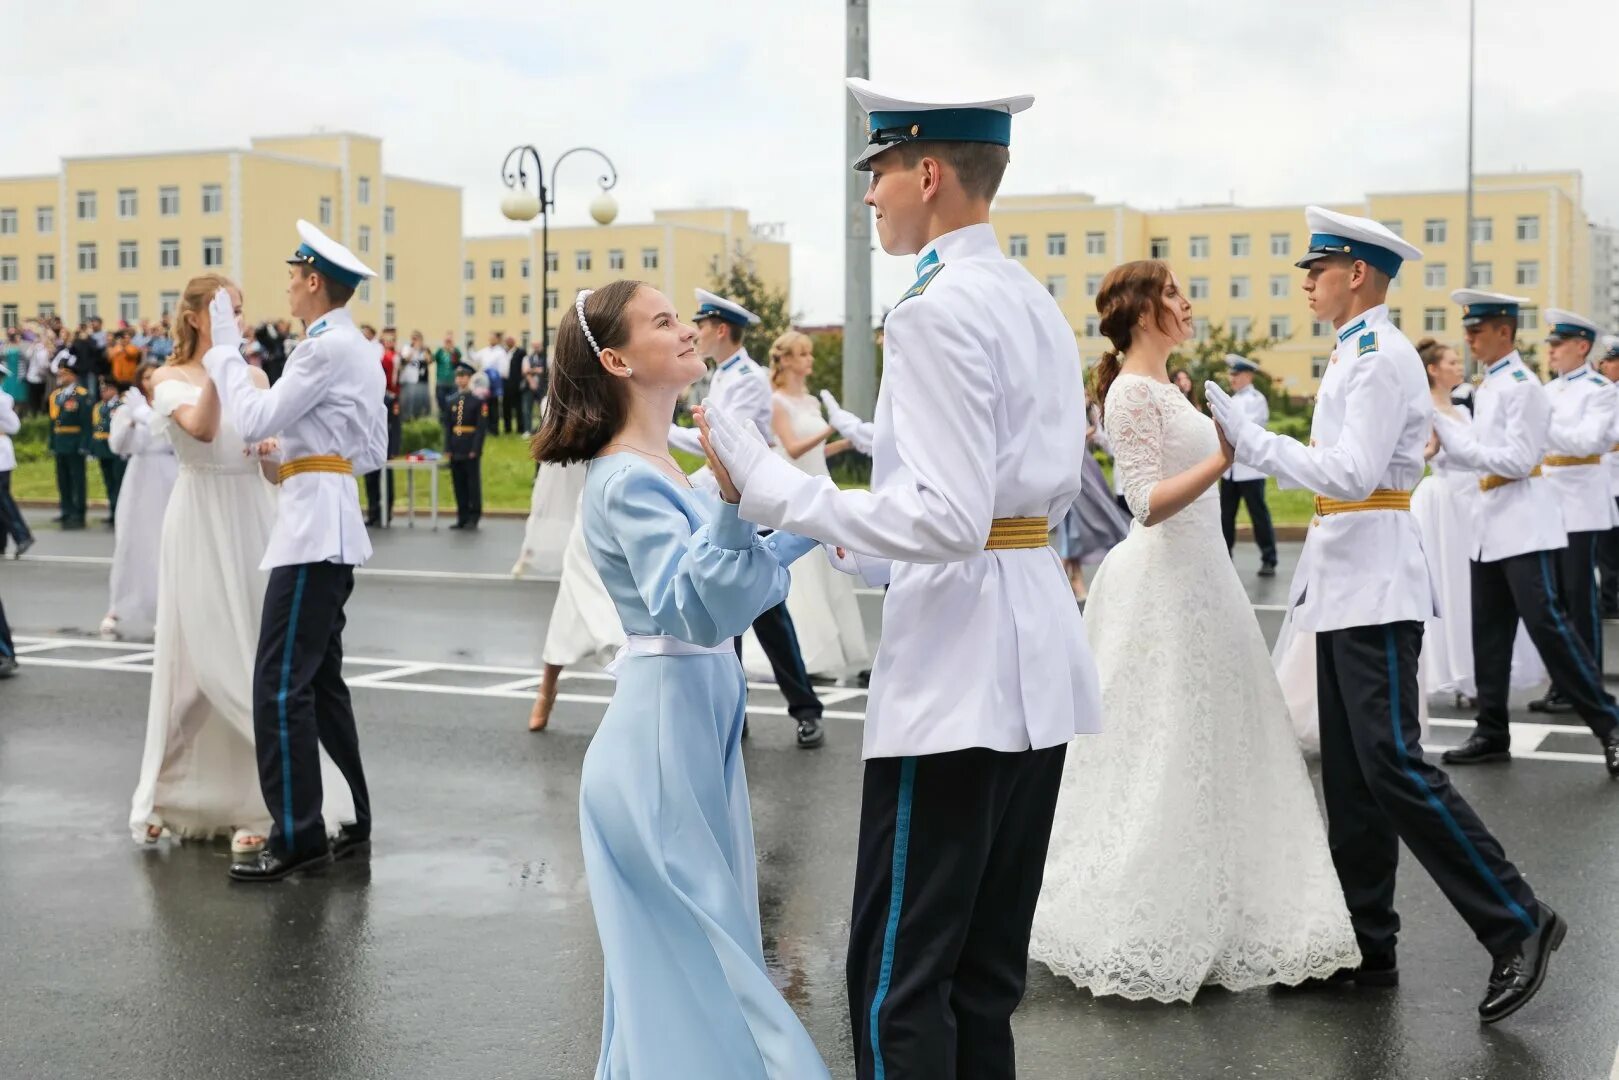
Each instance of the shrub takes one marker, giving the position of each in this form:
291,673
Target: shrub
422,433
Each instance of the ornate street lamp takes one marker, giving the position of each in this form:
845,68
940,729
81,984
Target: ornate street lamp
522,206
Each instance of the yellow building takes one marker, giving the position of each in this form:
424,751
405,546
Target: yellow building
118,236
1531,238
678,252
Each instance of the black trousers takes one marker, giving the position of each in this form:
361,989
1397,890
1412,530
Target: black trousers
1379,791
951,855
467,479
11,520
511,410
1577,585
774,629
112,478
70,487
6,647
1608,567
1252,493
373,498
1525,587
300,702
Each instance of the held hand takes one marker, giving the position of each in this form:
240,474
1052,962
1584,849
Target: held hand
266,448
1228,453
736,444
840,418
1433,445
222,321
716,467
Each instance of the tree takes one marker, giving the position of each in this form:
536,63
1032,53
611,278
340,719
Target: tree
1204,359
741,283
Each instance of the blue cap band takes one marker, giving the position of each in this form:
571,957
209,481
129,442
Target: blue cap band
1472,313
1570,330
949,125
1379,257
714,311
308,256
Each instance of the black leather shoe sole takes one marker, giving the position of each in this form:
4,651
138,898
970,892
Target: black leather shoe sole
1541,705
1267,571
1370,978
1555,933
250,874
1451,757
811,739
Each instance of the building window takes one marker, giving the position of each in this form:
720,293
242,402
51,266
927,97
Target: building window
551,263
364,291
581,260
1200,328
615,259
8,221
1528,227
1433,320
527,303
1241,326
1239,287
8,316
1056,244
1093,284
129,306
1198,288
388,313
45,219
497,305
1093,326
86,204
497,269
470,307
213,251
1198,247
1528,273
1528,318
1318,366
365,238
550,299
1395,226
525,269
213,198
87,307
1057,286
167,303
1434,231
87,258
387,268
168,201
1433,276
1017,246
168,254
1483,275
1394,317
467,271
1158,247
129,257
8,269
47,311
1278,285
649,258
388,220
127,203
1281,244
1241,245
1281,327
362,191
45,267
1320,328
326,211
1095,243
1483,230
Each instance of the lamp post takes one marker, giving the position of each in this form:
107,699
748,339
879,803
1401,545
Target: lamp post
522,206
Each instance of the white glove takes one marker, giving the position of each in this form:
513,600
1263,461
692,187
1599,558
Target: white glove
737,444
222,318
848,425
845,562
1236,425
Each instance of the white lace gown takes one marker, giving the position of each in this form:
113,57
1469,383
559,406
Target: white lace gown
1187,849
142,501
199,773
821,600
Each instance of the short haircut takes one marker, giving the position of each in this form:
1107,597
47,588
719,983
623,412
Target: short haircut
978,166
336,292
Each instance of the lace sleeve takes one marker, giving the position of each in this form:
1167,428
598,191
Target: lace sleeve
1135,427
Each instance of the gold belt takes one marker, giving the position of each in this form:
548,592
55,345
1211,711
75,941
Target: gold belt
460,429
66,431
1564,460
100,435
1381,499
328,463
1014,534
1490,482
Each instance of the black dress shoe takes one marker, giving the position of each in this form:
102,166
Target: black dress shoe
1610,612
350,840
458,525
810,734
744,727
1610,755
1267,569
1478,750
273,866
373,523
1516,977
1553,702
8,667
1376,972
22,547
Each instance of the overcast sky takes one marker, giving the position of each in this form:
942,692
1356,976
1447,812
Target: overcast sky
707,103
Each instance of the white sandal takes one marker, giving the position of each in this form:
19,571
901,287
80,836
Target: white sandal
109,628
246,842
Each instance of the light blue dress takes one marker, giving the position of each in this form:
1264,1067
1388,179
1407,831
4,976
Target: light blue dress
663,800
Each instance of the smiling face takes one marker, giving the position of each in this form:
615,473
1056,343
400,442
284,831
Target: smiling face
898,194
660,352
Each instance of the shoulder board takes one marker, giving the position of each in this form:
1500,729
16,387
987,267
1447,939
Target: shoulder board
1598,380
922,283
319,328
1367,343
1520,375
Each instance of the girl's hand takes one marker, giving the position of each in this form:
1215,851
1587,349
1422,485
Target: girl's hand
728,490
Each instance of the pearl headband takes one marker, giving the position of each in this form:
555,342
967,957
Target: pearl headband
579,309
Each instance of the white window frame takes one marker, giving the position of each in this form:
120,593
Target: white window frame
1093,284
582,261
1435,275
1093,326
1281,244
9,273
387,268
649,258
1527,228
497,269
1241,328
1197,288
129,306
213,244
469,271
1279,285
1158,247
362,191
1436,231
168,254
615,258
1281,326
325,212
167,303
497,306
129,256
1527,273
1483,230
469,306
1242,245
84,205
45,266
8,221
1056,245
388,220
1095,243
213,199
89,307
168,201
1057,286
89,260
1197,247
1486,280
1241,287
129,203
364,240
1433,320
45,220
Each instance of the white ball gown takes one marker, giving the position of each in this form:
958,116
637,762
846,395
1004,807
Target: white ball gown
144,499
199,772
584,624
1187,849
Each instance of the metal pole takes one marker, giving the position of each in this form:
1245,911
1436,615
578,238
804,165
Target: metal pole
545,281
859,350
1467,273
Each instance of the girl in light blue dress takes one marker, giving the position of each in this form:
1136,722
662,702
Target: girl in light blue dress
663,799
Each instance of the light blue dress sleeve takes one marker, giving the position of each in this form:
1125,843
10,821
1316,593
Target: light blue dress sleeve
703,586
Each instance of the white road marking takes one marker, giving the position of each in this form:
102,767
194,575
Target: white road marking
1614,1075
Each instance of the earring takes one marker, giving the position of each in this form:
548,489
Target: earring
628,372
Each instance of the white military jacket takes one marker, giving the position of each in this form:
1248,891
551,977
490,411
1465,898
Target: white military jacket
1372,418
1584,411
742,388
329,400
1257,409
979,416
1507,438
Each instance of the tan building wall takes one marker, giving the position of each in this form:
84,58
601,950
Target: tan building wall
23,242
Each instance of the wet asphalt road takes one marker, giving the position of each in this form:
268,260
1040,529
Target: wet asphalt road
466,947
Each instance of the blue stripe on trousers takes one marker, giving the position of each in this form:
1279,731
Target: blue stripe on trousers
1592,679
896,896
1596,612
287,830
1432,800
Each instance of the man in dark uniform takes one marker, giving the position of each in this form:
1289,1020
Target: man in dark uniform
100,448
8,651
375,513
468,421
70,435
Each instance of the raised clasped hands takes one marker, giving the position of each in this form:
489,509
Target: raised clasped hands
734,448
716,467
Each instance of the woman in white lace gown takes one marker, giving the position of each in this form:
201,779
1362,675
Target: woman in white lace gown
144,499
1188,849
821,600
199,772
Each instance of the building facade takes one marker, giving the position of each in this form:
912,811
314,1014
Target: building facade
678,252
1530,237
1605,276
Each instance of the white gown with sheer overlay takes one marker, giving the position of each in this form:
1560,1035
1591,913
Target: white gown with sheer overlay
144,501
1188,849
821,600
199,772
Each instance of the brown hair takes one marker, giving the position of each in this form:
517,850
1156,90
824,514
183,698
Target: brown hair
781,348
1429,350
1129,291
141,371
584,406
978,166
337,293
199,292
